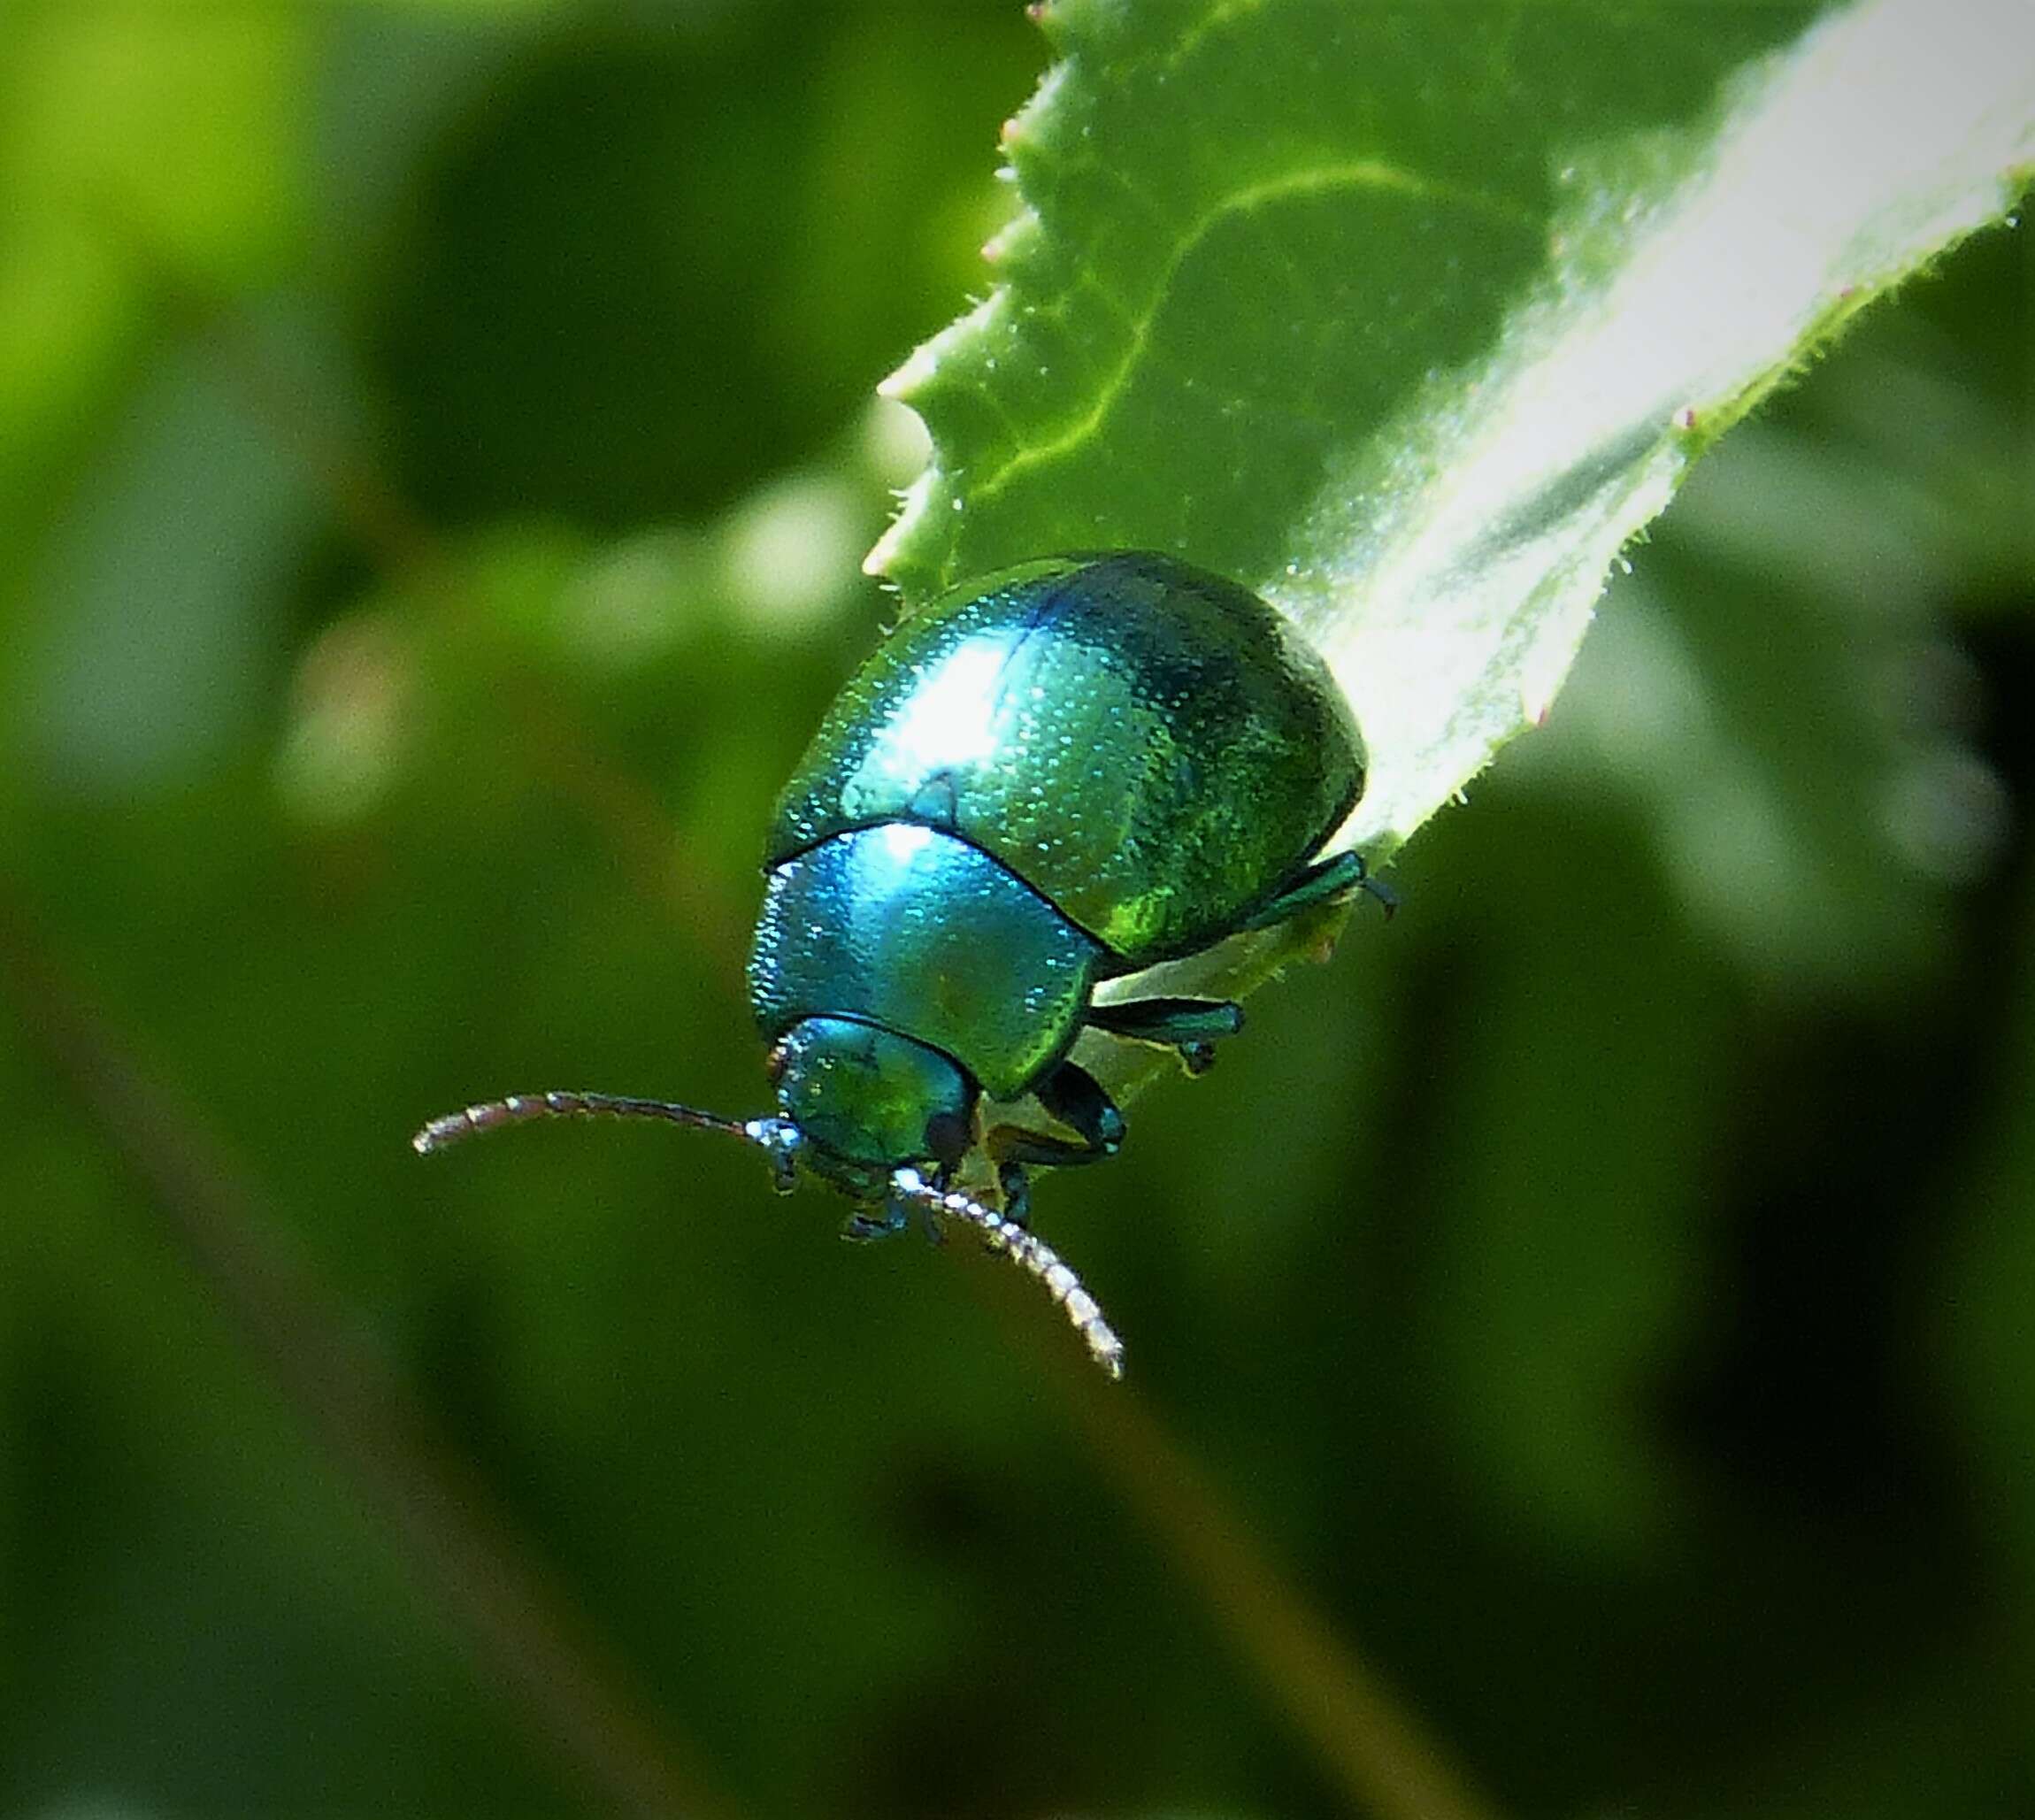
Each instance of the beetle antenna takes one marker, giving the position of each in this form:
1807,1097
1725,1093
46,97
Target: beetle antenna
1030,1253
522,1108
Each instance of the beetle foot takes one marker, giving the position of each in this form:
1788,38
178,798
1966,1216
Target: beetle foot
779,1140
1016,1190
868,1223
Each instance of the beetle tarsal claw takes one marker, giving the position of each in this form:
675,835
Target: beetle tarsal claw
1032,1255
778,1140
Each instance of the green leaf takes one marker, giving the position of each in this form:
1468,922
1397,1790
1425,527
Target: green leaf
1412,316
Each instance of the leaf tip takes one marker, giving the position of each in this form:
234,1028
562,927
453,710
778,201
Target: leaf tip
1013,239
889,558
911,377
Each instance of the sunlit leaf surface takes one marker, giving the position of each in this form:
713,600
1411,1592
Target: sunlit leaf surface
1411,317
435,446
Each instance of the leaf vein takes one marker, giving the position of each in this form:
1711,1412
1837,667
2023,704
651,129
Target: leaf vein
1371,174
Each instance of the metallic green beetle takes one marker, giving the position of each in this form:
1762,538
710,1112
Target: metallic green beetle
1051,777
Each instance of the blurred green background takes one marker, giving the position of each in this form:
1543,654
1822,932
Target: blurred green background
436,451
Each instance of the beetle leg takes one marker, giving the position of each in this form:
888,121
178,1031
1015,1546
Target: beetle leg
1189,1024
1323,884
1017,1190
1015,1151
1011,1143
1075,1098
877,1222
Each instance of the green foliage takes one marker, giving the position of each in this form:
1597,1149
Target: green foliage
1602,1291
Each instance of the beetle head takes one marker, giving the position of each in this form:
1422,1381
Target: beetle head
865,1100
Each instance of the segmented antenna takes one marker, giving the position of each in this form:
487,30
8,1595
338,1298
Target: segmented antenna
778,1140
521,1109
1031,1254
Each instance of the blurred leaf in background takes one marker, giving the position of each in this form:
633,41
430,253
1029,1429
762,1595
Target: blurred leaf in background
435,452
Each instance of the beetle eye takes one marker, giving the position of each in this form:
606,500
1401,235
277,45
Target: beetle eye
947,1138
774,1064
